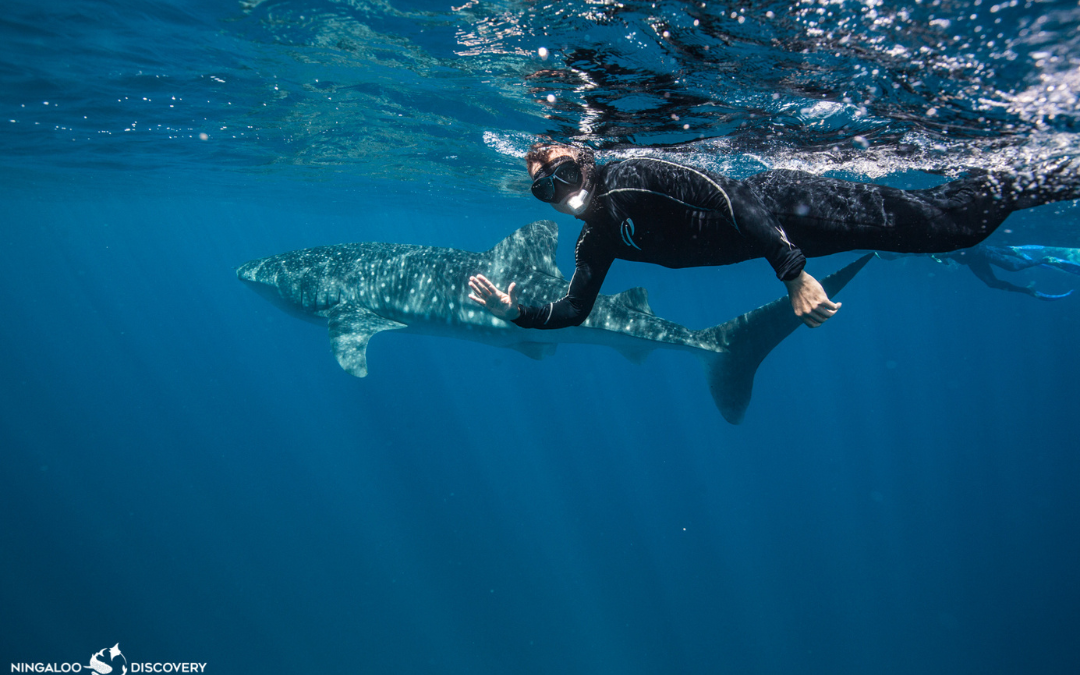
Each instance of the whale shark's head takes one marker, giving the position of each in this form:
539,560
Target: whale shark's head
252,271
264,276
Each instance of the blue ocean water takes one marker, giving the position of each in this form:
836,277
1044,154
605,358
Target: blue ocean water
188,473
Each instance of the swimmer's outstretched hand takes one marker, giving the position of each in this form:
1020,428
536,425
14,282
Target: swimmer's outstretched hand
809,300
502,305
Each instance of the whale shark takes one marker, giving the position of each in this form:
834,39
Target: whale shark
363,289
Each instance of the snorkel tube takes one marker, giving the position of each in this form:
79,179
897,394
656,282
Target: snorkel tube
579,202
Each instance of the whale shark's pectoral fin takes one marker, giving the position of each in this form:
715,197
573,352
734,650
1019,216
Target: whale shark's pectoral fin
636,356
351,328
535,350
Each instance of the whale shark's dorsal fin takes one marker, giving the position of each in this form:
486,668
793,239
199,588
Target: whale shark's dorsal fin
636,298
532,246
351,328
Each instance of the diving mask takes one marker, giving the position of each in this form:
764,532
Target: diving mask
557,182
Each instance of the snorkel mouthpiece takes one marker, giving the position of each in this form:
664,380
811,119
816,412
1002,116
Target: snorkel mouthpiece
578,201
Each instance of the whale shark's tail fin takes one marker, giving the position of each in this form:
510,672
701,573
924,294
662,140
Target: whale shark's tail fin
746,340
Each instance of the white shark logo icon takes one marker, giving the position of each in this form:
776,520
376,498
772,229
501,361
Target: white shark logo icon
102,668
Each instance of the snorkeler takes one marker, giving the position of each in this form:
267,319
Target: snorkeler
1014,259
654,210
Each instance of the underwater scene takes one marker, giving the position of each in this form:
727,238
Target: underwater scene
250,420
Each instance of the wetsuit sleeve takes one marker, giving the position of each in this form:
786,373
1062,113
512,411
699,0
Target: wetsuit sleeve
763,229
593,261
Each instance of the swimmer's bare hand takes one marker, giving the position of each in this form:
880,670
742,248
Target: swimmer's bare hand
809,300
502,305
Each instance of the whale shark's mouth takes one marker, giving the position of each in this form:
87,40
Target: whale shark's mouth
272,294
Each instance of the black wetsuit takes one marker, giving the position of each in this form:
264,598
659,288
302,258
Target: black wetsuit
657,211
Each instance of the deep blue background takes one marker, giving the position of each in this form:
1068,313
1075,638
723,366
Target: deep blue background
187,471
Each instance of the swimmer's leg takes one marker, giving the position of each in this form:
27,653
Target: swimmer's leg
1057,180
974,206
979,259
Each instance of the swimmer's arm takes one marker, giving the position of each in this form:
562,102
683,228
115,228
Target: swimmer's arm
808,298
570,310
593,259
765,234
